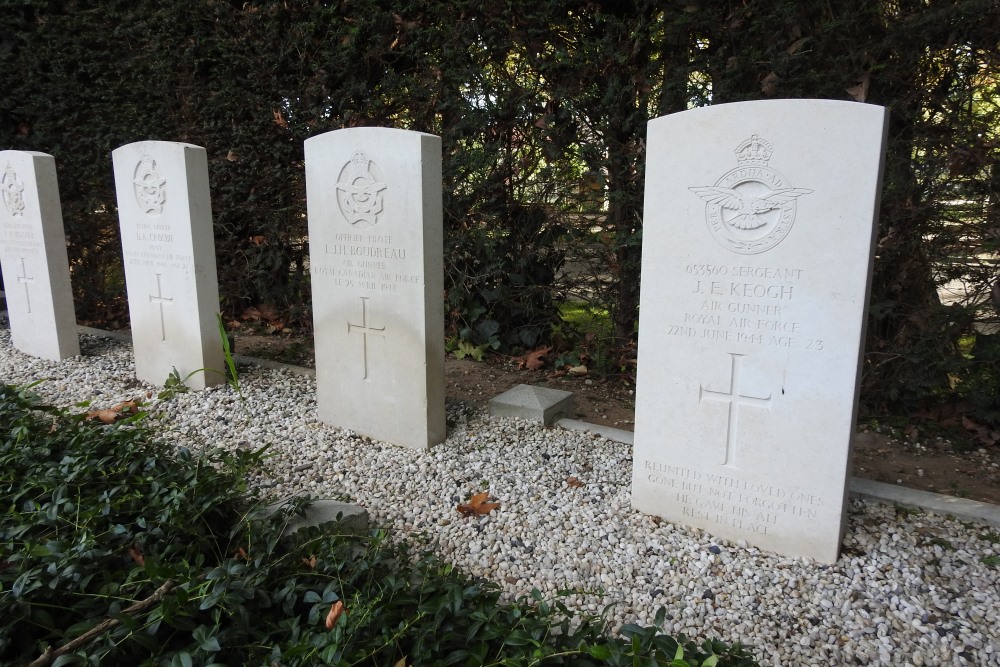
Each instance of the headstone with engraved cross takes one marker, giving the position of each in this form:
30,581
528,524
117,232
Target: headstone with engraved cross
376,259
33,257
756,265
165,216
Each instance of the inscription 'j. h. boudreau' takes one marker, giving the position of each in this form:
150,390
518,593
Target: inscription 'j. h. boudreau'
735,399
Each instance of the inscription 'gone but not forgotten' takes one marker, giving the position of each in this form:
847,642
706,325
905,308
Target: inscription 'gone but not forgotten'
754,293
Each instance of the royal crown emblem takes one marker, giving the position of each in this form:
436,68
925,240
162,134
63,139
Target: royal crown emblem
360,190
150,189
13,192
752,207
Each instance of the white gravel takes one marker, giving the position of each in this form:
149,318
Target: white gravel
909,589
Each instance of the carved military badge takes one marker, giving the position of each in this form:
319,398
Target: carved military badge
360,190
13,192
150,189
752,207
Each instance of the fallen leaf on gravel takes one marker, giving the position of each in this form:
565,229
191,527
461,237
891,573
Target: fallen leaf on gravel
477,505
574,482
103,416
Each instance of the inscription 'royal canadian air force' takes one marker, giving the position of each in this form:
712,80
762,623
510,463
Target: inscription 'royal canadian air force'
752,207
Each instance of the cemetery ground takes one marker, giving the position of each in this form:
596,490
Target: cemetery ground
910,588
917,452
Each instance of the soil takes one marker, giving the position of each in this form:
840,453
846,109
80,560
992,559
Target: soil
886,449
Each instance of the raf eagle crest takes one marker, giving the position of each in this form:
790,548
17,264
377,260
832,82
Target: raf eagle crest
752,207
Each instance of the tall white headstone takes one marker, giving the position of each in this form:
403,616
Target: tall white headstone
376,258
165,216
756,267
33,256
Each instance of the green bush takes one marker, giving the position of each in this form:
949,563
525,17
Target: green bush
104,522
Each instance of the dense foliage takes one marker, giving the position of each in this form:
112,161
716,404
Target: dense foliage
100,522
542,109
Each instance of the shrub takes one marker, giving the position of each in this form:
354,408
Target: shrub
97,517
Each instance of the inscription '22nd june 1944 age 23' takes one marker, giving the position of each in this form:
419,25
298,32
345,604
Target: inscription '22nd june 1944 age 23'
745,304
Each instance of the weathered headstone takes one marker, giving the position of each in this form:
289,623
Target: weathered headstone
165,215
376,260
757,251
33,256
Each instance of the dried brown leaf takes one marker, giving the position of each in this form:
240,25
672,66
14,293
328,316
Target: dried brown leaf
477,505
535,359
103,416
796,45
769,86
859,92
137,556
336,609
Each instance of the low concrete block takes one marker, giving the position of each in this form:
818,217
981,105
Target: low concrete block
344,515
539,404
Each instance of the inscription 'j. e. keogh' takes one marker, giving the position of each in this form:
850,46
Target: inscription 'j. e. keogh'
752,207
360,190
150,189
13,192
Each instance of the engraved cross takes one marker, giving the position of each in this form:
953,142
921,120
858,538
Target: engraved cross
159,299
365,330
735,400
26,279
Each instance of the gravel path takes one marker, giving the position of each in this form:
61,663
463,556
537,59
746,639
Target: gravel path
909,589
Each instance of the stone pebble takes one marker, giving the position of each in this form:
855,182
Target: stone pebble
909,588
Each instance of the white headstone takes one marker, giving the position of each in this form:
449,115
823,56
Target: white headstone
33,256
756,266
376,258
165,215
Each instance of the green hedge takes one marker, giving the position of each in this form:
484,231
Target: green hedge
537,104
